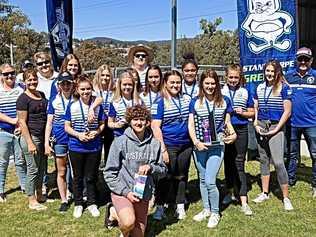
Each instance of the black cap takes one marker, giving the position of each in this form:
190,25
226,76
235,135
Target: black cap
27,63
65,76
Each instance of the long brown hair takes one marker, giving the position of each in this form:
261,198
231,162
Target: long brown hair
278,75
147,86
173,72
97,84
69,57
218,97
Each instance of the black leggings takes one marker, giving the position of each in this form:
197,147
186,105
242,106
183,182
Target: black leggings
234,160
85,167
172,188
108,137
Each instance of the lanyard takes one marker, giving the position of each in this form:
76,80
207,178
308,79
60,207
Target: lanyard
208,107
63,101
232,95
266,98
124,102
82,114
179,107
106,98
192,90
150,100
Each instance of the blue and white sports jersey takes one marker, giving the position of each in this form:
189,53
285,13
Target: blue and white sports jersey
117,111
270,105
303,98
174,114
202,110
150,98
57,106
79,124
8,105
192,90
107,97
239,98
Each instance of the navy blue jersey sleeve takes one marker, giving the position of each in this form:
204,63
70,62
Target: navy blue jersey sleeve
157,109
67,115
112,111
229,108
50,108
192,104
250,103
101,115
286,92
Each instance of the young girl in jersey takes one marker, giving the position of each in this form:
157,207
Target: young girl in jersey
190,69
135,152
210,104
153,81
125,96
272,110
235,154
84,146
56,139
170,118
31,108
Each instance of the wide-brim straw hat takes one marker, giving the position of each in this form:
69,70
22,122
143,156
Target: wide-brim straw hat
140,48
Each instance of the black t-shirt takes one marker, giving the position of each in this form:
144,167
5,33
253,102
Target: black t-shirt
36,113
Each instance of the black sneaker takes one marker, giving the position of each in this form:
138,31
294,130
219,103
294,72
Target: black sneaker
109,224
63,207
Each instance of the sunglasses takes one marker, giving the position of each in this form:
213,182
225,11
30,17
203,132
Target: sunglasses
140,55
105,75
303,59
6,74
232,77
42,63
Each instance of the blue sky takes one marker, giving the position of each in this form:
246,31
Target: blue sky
135,19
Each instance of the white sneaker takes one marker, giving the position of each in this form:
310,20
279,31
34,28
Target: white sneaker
159,214
203,215
180,213
77,211
287,204
213,220
245,208
261,198
314,192
93,209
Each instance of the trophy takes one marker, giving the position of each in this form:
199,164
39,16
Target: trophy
205,129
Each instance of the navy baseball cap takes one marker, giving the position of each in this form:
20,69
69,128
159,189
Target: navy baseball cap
65,76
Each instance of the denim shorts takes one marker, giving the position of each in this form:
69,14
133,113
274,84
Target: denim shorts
60,150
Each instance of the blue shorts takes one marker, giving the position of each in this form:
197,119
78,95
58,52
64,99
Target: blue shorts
61,150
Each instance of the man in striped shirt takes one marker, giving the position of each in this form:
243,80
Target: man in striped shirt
9,130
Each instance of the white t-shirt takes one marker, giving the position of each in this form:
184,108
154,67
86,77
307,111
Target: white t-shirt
45,84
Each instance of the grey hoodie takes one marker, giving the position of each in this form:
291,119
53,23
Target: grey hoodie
127,154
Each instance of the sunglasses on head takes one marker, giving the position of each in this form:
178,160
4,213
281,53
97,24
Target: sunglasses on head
140,55
303,58
6,74
42,63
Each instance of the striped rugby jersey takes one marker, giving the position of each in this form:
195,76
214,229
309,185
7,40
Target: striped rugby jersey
150,98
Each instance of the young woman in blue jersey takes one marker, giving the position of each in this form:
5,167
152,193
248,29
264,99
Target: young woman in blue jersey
209,157
56,139
125,96
153,81
272,110
84,146
103,86
31,108
190,69
235,154
170,126
10,90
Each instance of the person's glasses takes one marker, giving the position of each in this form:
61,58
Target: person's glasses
140,55
232,77
105,75
42,63
6,74
303,59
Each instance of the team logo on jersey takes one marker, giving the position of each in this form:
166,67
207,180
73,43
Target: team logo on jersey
266,22
310,80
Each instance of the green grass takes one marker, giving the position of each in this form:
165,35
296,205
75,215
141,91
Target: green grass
269,218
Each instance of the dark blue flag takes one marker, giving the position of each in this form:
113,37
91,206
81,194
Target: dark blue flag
60,25
267,30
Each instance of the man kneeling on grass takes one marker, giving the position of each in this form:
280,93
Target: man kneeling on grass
133,159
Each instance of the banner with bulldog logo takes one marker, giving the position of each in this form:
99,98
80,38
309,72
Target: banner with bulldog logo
267,30
60,23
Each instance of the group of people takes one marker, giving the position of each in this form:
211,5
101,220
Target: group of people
148,124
